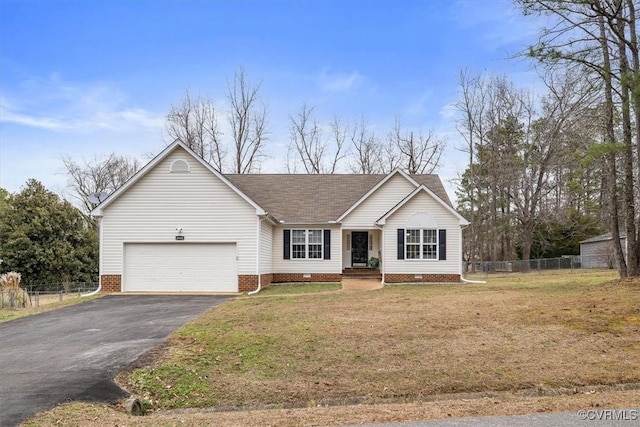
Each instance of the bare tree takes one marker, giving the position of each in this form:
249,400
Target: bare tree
194,122
317,153
367,150
518,144
594,35
247,120
304,139
105,174
471,128
418,154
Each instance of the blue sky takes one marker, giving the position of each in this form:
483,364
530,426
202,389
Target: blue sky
85,78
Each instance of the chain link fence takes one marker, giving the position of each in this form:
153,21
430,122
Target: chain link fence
36,295
569,262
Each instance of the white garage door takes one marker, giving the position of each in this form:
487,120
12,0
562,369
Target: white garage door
180,267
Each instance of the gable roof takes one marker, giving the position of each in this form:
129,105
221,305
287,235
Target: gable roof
318,199
294,198
375,187
97,211
421,188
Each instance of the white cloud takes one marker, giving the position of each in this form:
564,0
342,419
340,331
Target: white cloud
449,111
56,105
499,23
339,82
7,116
421,106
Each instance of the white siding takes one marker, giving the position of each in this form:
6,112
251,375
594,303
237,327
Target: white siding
333,265
204,207
600,254
266,248
379,203
422,202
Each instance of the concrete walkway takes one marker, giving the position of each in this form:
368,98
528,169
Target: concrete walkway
357,284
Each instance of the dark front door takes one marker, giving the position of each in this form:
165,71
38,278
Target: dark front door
359,248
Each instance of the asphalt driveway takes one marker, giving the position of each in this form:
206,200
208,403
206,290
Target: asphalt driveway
75,352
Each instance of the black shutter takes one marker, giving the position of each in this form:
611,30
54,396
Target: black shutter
287,244
400,243
327,244
442,245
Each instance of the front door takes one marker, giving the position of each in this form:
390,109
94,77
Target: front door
359,248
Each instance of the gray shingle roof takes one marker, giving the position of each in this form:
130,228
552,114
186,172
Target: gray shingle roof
297,198
603,237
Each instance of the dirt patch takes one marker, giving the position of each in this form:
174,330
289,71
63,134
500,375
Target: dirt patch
94,415
360,284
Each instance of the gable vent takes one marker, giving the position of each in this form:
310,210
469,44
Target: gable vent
180,166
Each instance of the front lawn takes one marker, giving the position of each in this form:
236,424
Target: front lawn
526,333
299,288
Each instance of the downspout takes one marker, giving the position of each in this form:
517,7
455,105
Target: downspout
97,291
258,241
472,281
382,263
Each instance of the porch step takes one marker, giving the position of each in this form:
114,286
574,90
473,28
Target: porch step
361,273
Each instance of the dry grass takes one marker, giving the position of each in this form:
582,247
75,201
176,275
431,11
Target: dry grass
401,342
298,288
47,303
98,415
489,349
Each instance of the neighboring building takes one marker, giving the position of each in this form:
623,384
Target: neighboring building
597,252
180,225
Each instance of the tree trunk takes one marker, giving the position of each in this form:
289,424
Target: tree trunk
634,76
629,196
612,174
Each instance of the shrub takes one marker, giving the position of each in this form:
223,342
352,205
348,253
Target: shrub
11,291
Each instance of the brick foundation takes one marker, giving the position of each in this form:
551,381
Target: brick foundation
110,283
313,277
426,278
249,282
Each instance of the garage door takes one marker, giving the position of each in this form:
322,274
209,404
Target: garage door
180,267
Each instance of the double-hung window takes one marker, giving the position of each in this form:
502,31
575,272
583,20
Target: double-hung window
306,244
421,244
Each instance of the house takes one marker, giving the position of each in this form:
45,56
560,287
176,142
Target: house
179,225
597,252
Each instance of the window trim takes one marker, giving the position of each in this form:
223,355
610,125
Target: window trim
421,244
307,245
179,161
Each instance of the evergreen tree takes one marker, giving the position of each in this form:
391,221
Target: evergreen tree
44,238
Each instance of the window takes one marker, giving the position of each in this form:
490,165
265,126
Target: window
179,166
306,244
421,244
298,244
